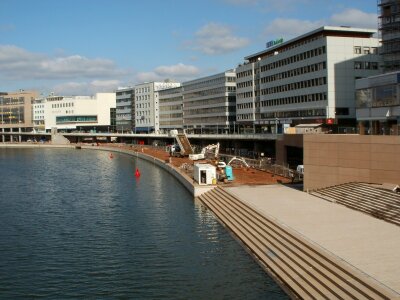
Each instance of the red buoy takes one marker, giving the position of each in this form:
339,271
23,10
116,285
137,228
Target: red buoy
137,173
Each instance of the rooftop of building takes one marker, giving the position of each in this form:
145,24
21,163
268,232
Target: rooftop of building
342,31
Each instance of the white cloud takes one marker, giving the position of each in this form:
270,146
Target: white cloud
213,39
290,28
179,72
270,5
355,18
17,63
86,88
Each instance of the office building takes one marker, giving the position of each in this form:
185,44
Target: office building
308,79
16,110
147,118
171,110
81,113
209,103
378,104
125,98
389,26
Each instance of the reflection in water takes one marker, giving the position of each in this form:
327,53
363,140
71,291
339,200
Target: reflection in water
77,224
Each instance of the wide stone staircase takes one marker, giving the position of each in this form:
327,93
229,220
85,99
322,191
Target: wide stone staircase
380,203
303,269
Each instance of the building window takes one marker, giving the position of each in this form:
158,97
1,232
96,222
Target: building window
357,50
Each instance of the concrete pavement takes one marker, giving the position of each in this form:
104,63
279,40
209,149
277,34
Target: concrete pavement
364,242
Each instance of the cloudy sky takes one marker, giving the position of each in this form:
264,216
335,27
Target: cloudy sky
79,47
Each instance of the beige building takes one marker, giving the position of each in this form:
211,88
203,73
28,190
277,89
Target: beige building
16,110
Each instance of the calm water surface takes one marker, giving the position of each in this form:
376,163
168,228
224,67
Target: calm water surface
77,224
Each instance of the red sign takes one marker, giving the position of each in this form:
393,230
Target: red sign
330,121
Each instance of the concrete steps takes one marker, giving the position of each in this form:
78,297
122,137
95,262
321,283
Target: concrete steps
304,270
382,204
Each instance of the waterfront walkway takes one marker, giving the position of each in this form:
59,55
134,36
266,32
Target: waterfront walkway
362,241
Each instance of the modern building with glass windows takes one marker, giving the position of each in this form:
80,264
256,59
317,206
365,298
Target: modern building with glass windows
16,110
209,103
147,117
171,111
81,113
378,104
308,79
125,98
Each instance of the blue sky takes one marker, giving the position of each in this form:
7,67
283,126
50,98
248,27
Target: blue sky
79,47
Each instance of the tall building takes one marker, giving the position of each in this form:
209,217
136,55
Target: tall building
38,114
389,26
125,98
82,113
147,117
171,110
209,103
16,110
309,79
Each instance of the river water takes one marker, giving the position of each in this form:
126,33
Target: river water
79,224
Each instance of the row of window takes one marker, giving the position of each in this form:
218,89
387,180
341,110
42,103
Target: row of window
171,107
247,105
207,83
142,98
59,105
142,90
295,99
318,112
367,65
245,116
222,101
171,116
210,92
365,50
211,110
294,86
294,59
76,119
295,72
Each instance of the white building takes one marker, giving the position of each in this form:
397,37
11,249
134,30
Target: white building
209,103
81,112
125,109
309,79
38,115
147,118
171,111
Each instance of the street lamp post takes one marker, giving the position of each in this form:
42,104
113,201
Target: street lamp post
234,127
276,125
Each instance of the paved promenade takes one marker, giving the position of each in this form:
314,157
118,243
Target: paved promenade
369,244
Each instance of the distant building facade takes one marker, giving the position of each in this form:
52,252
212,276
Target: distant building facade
171,109
81,113
16,110
378,104
309,79
125,109
209,103
146,106
389,26
38,115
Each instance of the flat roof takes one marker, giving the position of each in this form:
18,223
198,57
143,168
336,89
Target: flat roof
333,30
